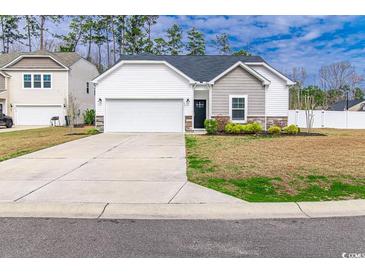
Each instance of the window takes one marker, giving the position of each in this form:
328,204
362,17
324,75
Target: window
37,83
27,81
238,108
87,88
46,80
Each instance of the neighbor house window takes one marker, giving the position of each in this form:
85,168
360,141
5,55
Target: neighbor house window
87,88
37,81
46,80
27,80
238,108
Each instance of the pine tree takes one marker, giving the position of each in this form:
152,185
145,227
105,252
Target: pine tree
149,20
241,52
160,47
136,39
174,43
100,37
222,43
120,27
31,29
196,42
9,31
75,35
88,32
42,26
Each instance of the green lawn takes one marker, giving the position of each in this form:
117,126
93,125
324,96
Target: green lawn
17,143
280,169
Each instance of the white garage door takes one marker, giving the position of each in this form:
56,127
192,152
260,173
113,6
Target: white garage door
37,115
144,115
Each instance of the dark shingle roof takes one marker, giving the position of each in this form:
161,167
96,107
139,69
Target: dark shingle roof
202,68
341,105
65,58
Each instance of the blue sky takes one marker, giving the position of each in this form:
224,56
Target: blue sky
284,41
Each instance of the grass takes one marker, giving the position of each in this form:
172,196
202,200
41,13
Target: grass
17,143
281,169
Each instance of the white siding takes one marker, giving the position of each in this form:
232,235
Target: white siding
137,81
277,96
80,73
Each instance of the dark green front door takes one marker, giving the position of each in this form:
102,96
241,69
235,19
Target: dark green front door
200,112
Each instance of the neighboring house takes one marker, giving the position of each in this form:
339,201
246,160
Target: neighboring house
37,86
353,105
149,93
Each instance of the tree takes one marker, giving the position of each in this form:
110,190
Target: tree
358,93
120,27
135,38
222,43
196,42
241,52
9,31
337,75
73,112
160,46
87,37
149,20
42,22
309,105
318,95
74,36
298,75
99,37
31,29
174,42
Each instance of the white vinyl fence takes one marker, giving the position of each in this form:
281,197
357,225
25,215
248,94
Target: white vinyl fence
329,119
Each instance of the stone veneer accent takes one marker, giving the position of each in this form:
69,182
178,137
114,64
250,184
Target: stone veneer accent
188,122
222,121
99,123
281,121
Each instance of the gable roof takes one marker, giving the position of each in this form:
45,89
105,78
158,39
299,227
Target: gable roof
65,58
202,68
341,105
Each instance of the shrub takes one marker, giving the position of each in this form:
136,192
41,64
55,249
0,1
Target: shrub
291,129
222,122
211,126
274,130
253,128
92,131
89,116
229,128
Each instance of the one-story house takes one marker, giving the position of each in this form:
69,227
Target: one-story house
352,105
150,93
36,86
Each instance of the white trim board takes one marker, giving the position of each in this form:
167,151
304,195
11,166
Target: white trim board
280,75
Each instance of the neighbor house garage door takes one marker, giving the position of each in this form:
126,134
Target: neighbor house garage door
144,115
37,115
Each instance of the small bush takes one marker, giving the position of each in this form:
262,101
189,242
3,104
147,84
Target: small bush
89,117
92,131
211,126
274,130
291,129
229,128
222,122
253,128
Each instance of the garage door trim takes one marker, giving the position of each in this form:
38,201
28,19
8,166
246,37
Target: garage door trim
144,98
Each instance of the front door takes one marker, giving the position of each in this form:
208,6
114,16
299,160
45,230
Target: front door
200,113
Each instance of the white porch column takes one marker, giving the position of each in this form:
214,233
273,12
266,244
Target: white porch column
210,103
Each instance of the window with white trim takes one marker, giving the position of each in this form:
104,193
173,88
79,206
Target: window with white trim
238,108
37,81
27,80
47,81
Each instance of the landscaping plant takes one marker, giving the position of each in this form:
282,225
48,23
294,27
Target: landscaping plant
89,117
253,128
291,129
211,126
274,130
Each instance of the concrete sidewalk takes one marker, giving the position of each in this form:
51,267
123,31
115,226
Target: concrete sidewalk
228,211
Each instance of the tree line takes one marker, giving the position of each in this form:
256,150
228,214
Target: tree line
103,39
337,81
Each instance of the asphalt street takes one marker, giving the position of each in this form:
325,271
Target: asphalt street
40,237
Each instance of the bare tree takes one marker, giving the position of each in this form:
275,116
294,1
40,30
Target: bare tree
298,75
73,112
338,75
309,106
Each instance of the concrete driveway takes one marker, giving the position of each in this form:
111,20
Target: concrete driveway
106,168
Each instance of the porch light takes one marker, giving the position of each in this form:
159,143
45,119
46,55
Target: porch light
100,100
187,101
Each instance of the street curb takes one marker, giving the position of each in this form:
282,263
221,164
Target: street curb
224,211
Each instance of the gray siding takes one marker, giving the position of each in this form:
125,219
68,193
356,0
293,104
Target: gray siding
36,62
238,82
2,82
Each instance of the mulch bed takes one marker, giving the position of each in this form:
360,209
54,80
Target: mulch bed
266,134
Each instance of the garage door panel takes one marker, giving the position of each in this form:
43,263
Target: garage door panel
37,115
144,115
